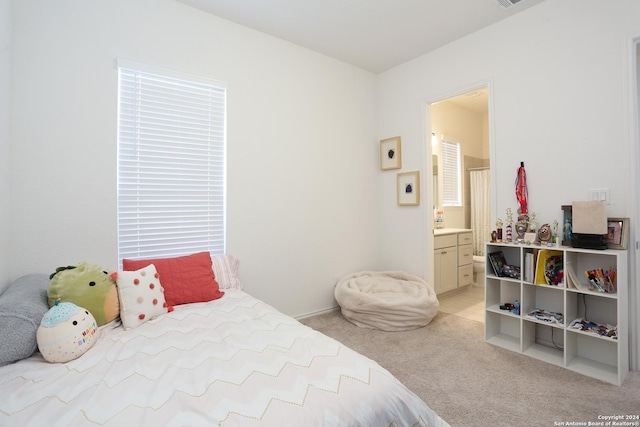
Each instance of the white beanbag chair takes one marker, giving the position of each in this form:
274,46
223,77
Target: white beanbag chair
387,300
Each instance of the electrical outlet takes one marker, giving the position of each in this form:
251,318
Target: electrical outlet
600,194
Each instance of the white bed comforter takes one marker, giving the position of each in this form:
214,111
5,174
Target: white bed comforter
231,362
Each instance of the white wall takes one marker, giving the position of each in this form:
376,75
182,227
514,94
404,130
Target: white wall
557,81
302,144
556,86
5,136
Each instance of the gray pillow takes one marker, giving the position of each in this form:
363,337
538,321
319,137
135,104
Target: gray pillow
22,306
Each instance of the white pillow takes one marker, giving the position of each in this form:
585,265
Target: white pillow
141,296
225,270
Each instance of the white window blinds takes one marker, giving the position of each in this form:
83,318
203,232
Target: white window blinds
171,165
451,174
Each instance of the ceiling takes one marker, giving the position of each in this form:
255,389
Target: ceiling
375,35
477,101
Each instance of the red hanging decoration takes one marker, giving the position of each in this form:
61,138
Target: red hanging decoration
521,189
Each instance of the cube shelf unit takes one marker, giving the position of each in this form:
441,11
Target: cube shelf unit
590,354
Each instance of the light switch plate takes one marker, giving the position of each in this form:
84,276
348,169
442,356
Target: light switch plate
600,194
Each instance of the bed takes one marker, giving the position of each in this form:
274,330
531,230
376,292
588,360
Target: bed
233,361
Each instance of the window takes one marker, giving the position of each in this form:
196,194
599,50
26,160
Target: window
451,174
171,163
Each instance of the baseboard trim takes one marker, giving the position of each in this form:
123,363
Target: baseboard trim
316,313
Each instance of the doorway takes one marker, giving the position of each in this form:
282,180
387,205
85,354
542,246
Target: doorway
462,120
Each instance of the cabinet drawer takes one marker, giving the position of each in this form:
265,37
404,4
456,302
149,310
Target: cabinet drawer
465,238
445,240
465,255
465,275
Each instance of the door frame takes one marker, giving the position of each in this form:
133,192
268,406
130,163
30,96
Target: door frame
428,163
633,118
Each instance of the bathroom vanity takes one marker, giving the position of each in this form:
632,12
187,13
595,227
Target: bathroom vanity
453,259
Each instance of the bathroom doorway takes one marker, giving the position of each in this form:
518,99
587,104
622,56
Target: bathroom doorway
462,121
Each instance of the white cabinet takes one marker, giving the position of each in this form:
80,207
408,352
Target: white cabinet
553,339
465,259
453,259
445,258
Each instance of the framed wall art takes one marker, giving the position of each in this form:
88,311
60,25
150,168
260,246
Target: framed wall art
617,233
390,153
409,188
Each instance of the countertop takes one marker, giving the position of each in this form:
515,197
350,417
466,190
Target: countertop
442,231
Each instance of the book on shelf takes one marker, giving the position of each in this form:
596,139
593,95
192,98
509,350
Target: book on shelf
497,263
572,280
529,260
549,268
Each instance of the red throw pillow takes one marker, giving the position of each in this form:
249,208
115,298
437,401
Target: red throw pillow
185,279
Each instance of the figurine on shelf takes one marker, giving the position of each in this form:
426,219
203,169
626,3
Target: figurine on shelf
567,229
533,222
522,226
545,235
556,238
508,236
509,216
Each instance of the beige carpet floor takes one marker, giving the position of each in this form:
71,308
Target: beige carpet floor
467,303
471,383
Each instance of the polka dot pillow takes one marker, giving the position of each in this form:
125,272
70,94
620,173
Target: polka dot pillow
141,296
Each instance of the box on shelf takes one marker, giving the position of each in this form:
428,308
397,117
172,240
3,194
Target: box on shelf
589,225
589,241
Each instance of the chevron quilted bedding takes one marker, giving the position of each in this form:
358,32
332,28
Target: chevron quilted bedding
234,361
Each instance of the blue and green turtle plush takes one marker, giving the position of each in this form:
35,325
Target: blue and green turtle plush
89,286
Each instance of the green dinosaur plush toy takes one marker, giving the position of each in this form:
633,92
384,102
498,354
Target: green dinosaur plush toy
86,285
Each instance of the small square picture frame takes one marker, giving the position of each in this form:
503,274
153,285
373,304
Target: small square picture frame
390,153
617,233
408,188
